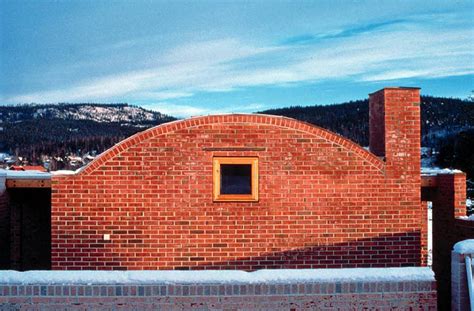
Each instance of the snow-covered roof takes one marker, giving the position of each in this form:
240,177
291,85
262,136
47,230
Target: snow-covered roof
433,171
218,276
10,174
464,247
31,174
470,218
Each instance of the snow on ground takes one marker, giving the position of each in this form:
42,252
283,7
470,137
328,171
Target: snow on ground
218,276
464,247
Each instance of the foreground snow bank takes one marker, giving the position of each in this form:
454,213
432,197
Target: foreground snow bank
219,277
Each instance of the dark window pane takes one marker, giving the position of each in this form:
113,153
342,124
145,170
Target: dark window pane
236,179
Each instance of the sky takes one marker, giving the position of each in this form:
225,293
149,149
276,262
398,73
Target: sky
187,58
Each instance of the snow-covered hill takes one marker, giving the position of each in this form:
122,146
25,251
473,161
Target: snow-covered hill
120,113
60,134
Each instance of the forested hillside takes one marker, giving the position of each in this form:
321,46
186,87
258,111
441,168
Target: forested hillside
39,133
447,126
440,117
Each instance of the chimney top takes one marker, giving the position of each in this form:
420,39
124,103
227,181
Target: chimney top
396,88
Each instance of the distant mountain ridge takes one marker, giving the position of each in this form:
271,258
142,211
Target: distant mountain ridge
54,132
123,113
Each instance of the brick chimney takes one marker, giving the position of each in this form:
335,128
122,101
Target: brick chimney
394,122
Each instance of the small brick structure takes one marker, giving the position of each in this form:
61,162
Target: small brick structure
447,192
412,289
324,202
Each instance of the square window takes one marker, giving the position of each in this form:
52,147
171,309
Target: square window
235,179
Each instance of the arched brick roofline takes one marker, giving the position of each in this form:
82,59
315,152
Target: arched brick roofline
278,121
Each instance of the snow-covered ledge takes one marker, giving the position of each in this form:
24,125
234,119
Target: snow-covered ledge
459,287
280,276
469,206
31,174
464,247
10,174
341,289
433,171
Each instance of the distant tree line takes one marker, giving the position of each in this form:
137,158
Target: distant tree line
34,139
447,126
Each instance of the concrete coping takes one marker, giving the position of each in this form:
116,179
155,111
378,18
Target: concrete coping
8,174
464,247
271,276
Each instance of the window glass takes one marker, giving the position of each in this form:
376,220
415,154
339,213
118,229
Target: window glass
236,178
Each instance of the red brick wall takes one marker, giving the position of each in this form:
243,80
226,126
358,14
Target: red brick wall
324,201
449,202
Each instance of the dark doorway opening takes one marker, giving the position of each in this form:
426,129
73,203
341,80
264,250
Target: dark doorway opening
30,228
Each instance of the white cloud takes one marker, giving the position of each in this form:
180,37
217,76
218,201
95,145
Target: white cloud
184,111
180,111
162,95
396,52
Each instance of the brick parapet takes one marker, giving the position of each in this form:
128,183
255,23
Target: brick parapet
283,296
449,199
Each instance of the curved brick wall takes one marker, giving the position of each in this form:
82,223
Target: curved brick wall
324,202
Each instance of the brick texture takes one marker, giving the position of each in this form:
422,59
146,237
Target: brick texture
390,295
324,202
449,203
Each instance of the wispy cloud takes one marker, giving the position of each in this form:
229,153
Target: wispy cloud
342,33
391,50
184,111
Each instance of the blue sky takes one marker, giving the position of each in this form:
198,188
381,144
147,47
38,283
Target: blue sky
200,57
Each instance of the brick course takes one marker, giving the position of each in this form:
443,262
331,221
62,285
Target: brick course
341,295
449,203
324,202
